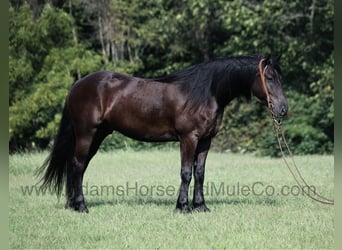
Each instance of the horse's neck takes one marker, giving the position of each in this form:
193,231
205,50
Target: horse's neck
233,87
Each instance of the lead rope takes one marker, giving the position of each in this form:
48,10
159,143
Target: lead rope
278,126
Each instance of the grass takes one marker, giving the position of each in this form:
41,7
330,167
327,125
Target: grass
143,216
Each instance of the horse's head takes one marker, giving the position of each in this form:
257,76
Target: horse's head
269,70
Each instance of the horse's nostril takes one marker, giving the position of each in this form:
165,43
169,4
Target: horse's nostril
283,111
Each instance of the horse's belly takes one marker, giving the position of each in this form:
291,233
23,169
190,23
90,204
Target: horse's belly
143,122
145,130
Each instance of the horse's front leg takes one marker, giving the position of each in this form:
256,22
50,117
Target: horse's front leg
188,148
198,202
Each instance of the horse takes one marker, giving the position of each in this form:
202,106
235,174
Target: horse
185,106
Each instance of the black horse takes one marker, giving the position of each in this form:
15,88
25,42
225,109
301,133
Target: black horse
185,106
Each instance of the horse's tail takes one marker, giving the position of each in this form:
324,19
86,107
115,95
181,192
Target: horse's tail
55,166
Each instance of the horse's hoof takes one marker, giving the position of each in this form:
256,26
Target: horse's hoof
183,210
201,208
69,205
81,208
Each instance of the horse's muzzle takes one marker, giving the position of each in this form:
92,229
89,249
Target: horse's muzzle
283,110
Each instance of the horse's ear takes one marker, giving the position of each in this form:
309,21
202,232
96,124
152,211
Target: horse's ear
267,59
278,58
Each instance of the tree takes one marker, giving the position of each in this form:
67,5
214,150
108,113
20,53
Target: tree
53,43
54,61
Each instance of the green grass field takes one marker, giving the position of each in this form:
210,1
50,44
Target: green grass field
132,195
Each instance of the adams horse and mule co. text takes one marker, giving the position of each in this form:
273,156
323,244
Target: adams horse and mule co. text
185,106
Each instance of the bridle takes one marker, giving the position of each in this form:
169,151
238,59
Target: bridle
277,127
263,82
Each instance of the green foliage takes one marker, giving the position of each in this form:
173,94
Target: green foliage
35,108
21,70
53,45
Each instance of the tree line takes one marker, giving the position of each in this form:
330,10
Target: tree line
52,43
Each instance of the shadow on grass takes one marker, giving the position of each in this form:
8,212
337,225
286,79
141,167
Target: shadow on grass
133,201
265,201
171,202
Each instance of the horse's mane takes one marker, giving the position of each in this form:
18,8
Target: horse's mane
223,78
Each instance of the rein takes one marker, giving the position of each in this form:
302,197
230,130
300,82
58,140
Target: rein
277,127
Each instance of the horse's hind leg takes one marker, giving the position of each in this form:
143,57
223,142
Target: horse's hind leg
86,146
97,140
78,167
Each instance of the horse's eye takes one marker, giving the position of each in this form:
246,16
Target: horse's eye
269,78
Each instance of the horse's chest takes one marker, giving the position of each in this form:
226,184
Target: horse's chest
204,122
211,124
